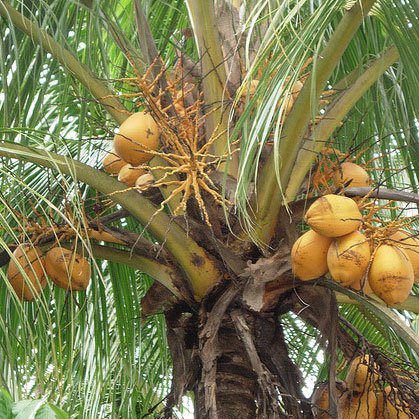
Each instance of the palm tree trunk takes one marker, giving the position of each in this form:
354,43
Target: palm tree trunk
242,370
236,383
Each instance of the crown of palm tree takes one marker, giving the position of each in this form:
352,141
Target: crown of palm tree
258,103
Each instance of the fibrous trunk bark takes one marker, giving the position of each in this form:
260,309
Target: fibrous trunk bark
254,376
236,361
236,384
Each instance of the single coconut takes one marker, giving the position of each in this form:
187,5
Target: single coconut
67,269
296,89
289,103
112,163
320,399
137,135
410,245
348,257
252,86
129,174
389,405
292,96
391,274
309,256
357,406
144,181
333,216
26,272
362,374
351,175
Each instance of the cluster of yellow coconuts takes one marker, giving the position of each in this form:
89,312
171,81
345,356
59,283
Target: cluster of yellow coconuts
359,396
336,245
28,270
137,136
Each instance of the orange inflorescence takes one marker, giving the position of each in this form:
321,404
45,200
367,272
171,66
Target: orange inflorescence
42,228
185,150
380,230
321,179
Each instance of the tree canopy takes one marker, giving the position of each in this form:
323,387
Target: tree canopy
257,106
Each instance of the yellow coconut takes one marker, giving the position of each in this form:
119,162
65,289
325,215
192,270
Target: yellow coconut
29,284
389,405
320,399
292,96
348,258
362,374
333,216
410,244
67,269
129,174
296,89
112,163
391,274
351,175
144,181
309,256
250,91
358,406
289,103
138,134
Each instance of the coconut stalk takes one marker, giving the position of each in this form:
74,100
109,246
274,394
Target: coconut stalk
383,193
159,272
204,25
199,268
332,118
270,197
411,304
378,309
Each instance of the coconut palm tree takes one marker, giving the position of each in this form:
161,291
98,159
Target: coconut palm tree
192,299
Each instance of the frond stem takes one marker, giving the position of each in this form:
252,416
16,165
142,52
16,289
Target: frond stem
161,273
202,16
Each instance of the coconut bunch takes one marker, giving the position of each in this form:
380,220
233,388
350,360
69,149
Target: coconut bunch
359,396
387,267
29,268
133,145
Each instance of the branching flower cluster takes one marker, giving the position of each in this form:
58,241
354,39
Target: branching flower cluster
185,150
